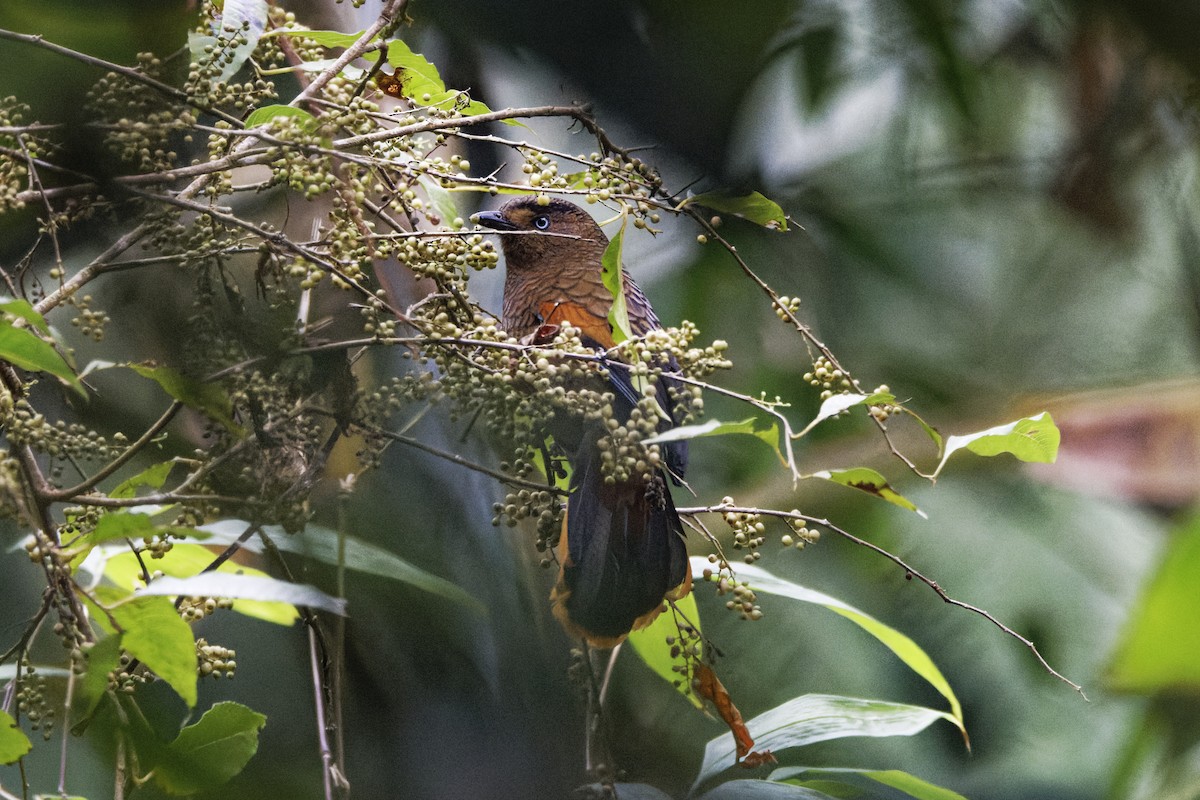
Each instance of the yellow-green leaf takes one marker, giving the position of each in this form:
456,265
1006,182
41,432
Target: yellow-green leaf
901,645
22,348
765,430
209,752
650,643
13,742
754,207
206,397
155,634
613,276
868,480
1029,439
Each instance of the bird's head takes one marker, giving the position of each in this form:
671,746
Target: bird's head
539,233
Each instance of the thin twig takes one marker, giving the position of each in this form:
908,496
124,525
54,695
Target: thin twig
908,571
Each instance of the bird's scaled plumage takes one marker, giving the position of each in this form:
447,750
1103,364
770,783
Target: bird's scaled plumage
621,552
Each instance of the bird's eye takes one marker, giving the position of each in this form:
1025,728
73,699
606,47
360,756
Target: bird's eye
541,222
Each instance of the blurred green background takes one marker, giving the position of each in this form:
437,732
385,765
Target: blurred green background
996,212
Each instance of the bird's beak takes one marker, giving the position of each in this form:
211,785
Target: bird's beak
494,220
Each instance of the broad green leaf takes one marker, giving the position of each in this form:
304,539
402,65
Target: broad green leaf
102,658
650,643
22,348
836,404
613,275
762,790
265,114
1029,439
817,718
152,477
122,525
322,544
13,742
209,752
753,207
185,560
421,81
206,397
248,587
896,779
905,648
155,634
23,310
1158,649
868,480
764,429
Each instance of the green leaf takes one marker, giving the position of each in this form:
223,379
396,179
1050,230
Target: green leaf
422,83
13,742
905,648
22,348
102,658
613,276
1158,648
23,310
322,544
152,477
186,560
122,525
1029,439
868,480
753,207
836,404
764,429
262,588
209,752
650,643
896,779
817,718
260,116
323,38
206,397
154,633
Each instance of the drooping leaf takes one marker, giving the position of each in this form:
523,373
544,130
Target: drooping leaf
153,477
650,643
22,348
766,430
13,742
321,543
206,397
753,207
249,587
323,38
836,404
185,560
817,718
868,480
709,686
908,651
155,634
102,658
762,790
209,752
260,116
22,309
1158,648
1029,439
894,778
613,275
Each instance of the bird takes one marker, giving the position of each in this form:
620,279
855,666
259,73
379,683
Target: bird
622,550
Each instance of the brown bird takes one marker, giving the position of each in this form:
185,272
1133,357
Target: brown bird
622,550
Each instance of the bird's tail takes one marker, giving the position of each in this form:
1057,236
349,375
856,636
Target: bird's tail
621,553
